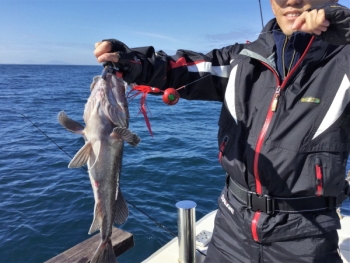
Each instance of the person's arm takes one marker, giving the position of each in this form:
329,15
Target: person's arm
205,76
329,22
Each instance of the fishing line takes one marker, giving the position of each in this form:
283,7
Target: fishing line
158,223
44,134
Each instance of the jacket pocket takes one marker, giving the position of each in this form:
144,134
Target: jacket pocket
328,172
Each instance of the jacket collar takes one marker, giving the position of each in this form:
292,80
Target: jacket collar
288,51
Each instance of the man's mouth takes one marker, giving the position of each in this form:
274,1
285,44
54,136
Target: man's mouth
292,15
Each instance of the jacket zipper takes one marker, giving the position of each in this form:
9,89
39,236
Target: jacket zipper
275,99
272,109
286,71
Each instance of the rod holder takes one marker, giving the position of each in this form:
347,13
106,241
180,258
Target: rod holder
186,220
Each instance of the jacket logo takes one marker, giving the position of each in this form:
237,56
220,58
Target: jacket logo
224,201
311,100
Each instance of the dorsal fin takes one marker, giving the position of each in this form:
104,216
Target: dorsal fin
81,157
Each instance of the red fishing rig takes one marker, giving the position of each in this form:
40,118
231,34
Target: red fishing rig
170,96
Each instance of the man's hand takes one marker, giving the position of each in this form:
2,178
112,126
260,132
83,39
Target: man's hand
102,52
126,59
313,22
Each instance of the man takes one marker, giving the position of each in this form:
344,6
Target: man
284,129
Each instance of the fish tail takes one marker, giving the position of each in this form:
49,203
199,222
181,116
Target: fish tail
104,253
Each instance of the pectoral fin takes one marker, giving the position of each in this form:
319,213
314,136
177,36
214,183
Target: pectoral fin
121,209
81,157
127,135
69,124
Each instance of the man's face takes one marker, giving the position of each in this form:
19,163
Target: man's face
286,11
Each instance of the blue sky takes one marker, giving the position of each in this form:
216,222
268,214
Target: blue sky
43,31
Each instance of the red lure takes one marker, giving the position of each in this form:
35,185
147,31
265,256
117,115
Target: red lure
170,97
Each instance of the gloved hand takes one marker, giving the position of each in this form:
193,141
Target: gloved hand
112,50
329,22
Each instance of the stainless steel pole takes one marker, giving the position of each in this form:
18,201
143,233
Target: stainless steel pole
186,220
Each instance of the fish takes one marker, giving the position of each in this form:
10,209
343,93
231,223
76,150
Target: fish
106,118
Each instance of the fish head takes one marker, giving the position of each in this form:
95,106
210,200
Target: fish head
108,99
